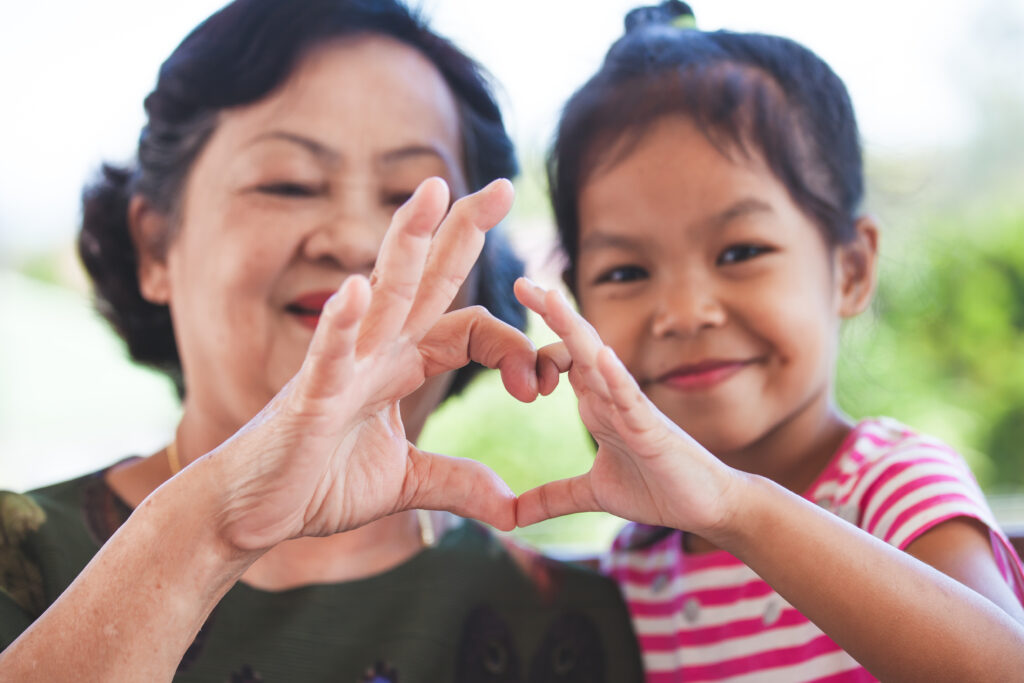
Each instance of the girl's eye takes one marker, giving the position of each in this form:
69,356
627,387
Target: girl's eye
296,190
622,274
396,199
741,252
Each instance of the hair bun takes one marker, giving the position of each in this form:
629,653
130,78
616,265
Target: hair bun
668,13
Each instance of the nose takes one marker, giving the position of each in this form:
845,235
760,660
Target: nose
347,238
685,308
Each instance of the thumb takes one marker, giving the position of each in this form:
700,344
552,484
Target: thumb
556,498
460,485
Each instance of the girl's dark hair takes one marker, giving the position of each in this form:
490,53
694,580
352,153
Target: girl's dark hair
747,93
238,56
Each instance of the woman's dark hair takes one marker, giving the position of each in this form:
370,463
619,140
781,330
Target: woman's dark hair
747,93
238,56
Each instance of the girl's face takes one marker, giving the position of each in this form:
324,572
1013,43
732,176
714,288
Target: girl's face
716,291
289,196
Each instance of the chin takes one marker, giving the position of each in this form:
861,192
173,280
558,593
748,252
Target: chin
720,437
722,448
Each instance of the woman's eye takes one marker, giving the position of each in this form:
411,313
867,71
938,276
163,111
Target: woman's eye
741,252
622,274
289,189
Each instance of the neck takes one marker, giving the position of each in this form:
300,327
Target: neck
199,432
792,454
797,450
366,551
370,549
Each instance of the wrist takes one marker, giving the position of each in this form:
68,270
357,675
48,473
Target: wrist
736,495
184,515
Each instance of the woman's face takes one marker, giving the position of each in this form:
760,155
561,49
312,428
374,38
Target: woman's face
289,196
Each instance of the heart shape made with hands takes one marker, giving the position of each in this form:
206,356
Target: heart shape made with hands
329,453
647,469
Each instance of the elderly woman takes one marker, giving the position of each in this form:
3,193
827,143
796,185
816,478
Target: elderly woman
281,536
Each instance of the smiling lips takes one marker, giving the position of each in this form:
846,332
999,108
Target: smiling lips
307,307
693,377
703,375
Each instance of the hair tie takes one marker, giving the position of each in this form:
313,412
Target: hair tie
684,21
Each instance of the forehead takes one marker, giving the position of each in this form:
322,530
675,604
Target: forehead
672,171
365,94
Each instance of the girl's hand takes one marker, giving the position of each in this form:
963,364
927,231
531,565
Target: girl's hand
329,452
647,469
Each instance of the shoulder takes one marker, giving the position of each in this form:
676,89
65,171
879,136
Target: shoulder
877,443
47,536
83,504
21,580
895,482
24,515
880,452
20,515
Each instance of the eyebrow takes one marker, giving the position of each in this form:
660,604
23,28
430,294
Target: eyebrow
332,157
318,149
743,207
611,240
412,151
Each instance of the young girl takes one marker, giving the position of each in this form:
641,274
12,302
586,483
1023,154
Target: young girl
707,190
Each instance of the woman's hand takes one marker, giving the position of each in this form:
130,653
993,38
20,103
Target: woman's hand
647,469
329,453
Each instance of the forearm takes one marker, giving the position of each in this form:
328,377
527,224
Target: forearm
134,610
900,618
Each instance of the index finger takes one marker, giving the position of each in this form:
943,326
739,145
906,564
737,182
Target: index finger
473,334
399,269
580,338
454,250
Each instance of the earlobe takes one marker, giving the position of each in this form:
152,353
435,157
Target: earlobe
857,267
148,232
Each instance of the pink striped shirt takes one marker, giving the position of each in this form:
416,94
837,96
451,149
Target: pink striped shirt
708,617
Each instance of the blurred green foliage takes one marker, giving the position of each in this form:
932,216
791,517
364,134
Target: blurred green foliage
528,445
943,345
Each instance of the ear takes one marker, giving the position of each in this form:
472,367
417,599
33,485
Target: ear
856,268
148,229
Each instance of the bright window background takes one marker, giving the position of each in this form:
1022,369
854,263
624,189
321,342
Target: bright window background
939,90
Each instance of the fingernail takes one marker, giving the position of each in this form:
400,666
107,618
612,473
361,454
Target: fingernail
533,284
499,181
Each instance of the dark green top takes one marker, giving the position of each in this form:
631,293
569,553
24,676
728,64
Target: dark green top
471,608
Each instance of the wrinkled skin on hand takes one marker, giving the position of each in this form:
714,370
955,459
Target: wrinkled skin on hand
329,453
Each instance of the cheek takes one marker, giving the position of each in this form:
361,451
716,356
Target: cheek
618,323
799,320
241,254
